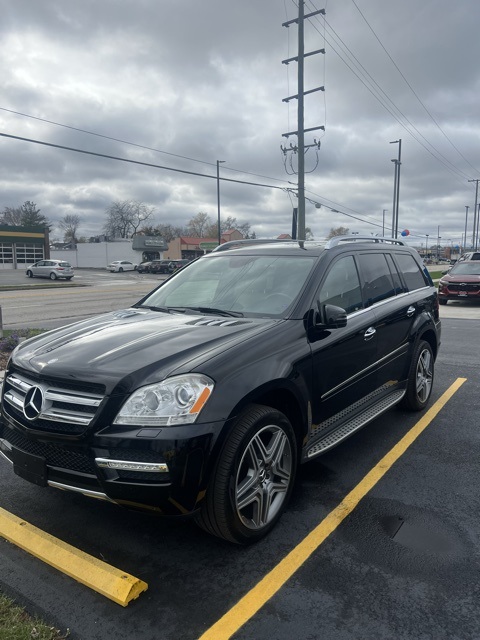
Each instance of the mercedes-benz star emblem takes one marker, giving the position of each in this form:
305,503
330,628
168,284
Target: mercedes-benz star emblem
32,405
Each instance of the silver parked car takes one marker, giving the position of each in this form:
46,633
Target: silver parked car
52,269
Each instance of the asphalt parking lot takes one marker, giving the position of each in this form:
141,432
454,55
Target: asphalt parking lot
365,550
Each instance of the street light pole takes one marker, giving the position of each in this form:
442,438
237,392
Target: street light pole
218,199
383,223
426,246
466,221
475,216
396,188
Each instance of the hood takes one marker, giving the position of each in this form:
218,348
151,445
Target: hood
461,278
133,343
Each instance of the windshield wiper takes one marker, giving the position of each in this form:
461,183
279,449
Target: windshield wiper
146,306
219,312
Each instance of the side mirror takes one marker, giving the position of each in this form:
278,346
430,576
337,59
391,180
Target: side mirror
331,317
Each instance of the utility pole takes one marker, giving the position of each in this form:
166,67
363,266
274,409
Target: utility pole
218,202
475,217
300,132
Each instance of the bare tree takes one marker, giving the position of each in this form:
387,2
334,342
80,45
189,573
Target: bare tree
338,231
165,231
69,225
200,225
226,224
11,216
124,218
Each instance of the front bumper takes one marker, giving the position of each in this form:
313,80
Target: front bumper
161,470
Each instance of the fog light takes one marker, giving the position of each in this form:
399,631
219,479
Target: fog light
130,465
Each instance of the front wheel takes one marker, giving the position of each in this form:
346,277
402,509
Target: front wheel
253,479
120,270
29,274
442,301
420,378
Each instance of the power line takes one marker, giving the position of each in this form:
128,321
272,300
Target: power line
412,89
133,144
361,70
144,164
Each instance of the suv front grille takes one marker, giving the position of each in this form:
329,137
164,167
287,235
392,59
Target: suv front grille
467,286
48,406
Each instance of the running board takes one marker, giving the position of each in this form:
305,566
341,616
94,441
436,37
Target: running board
346,430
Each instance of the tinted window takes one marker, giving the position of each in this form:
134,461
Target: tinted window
342,286
397,281
377,279
412,273
264,285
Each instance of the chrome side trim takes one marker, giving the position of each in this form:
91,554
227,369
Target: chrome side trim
363,371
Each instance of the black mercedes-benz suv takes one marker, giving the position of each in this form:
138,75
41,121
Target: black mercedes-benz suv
205,396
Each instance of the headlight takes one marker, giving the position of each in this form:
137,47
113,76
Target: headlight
442,284
176,400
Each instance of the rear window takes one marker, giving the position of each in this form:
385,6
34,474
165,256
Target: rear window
412,273
377,278
64,264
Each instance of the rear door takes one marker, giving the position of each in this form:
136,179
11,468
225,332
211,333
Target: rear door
395,309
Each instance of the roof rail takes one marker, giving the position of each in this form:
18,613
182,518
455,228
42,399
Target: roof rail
336,240
235,244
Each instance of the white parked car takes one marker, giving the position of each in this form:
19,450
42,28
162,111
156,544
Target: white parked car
52,269
121,265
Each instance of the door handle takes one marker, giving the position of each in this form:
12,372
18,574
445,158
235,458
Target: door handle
410,311
369,333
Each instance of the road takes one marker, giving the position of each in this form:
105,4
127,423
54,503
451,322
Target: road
56,306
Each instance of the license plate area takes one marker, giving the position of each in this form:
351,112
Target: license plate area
29,467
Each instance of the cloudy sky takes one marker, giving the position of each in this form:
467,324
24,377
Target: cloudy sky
183,84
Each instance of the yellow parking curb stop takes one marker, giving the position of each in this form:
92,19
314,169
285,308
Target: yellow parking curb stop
109,581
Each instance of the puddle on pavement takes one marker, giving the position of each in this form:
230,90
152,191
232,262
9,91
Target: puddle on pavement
419,537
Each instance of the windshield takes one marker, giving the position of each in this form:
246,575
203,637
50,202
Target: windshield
244,285
465,269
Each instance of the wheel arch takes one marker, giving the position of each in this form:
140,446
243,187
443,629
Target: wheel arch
279,396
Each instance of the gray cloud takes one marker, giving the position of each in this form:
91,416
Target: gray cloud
205,81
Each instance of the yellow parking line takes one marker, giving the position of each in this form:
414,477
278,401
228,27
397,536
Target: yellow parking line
254,600
117,585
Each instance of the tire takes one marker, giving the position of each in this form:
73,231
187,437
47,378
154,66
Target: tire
69,278
120,270
442,301
420,378
53,276
29,274
253,479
